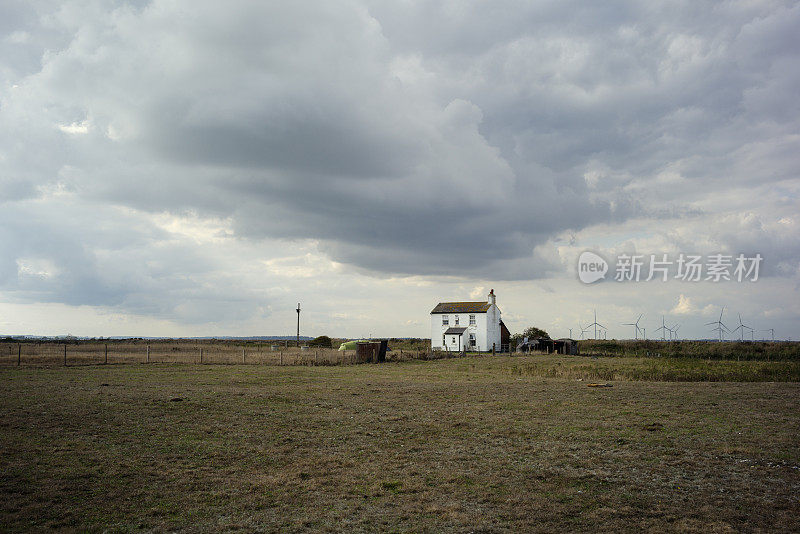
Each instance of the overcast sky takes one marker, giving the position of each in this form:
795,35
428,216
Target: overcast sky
198,167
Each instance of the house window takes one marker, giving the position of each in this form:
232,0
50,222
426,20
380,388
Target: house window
456,320
454,341
472,340
445,319
472,320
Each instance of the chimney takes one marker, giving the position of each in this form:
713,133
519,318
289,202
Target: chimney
491,296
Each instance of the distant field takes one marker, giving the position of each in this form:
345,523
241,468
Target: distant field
503,444
727,350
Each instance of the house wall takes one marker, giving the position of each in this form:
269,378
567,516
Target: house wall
493,328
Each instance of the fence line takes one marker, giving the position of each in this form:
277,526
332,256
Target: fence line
95,353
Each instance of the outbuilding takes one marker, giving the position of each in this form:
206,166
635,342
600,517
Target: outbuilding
565,345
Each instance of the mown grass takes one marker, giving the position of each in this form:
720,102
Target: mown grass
458,445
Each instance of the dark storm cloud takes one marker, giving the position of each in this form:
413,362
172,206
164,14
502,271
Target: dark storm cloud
423,138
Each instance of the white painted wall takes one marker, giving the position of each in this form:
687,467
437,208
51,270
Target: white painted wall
493,327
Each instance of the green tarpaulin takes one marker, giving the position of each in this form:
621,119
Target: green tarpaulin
350,345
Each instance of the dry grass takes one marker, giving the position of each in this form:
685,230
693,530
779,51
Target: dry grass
658,369
454,445
630,366
178,351
694,349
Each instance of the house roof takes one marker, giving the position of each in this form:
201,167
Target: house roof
462,307
456,330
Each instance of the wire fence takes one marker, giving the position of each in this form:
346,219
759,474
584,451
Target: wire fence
94,353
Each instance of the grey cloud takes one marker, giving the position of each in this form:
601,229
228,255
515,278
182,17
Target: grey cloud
417,139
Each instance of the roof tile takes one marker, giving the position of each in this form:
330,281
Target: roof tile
462,307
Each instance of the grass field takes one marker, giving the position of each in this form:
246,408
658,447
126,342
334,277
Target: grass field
706,350
476,444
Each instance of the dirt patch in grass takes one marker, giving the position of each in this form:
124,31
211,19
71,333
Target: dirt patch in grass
451,445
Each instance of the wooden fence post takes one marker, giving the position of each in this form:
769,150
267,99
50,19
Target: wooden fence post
106,353
148,353
492,349
201,354
19,353
316,358
281,358
242,355
65,354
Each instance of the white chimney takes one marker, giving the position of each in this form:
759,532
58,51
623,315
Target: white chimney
491,296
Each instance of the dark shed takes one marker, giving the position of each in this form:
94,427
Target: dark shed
565,345
371,351
505,337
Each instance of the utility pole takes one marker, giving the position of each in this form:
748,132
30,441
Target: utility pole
298,324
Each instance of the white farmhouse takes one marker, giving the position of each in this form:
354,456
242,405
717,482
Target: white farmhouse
474,326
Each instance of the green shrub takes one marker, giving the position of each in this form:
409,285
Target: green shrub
321,341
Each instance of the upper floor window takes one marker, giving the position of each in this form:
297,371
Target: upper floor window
445,319
456,320
472,320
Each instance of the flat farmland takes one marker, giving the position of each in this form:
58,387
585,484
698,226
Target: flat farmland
476,444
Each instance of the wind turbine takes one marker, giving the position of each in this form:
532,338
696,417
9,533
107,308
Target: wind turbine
635,325
570,333
720,325
752,332
770,330
583,330
595,324
675,331
663,329
741,328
